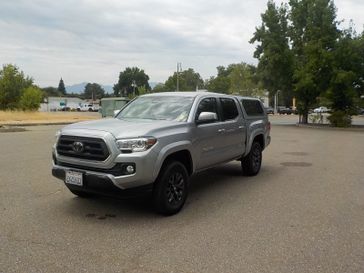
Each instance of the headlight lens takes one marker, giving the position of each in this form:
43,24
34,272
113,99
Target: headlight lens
135,144
57,135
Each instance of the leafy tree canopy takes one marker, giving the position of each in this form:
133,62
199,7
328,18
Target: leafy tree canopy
12,84
236,79
93,91
31,99
130,80
273,51
51,92
189,80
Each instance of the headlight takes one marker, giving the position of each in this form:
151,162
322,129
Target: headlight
57,135
135,144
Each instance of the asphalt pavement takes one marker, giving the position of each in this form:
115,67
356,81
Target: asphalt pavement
304,212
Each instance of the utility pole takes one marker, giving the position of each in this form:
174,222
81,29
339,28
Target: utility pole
276,102
179,69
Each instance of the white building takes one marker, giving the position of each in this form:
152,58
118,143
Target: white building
57,103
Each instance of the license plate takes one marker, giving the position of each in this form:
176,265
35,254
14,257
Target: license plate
74,178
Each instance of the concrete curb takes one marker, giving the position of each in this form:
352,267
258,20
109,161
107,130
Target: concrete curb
357,128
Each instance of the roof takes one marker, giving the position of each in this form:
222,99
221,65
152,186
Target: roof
186,94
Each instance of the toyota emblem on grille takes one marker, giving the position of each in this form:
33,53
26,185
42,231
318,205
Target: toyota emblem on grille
77,147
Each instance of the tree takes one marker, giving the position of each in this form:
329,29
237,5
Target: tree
12,84
314,34
31,98
189,80
221,83
346,83
51,92
130,80
160,87
243,81
61,88
273,51
93,91
236,79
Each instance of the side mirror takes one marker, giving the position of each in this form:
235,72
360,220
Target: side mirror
206,117
116,112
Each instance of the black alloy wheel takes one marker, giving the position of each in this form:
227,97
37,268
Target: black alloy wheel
171,188
252,162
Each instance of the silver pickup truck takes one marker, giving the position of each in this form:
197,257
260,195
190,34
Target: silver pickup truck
157,141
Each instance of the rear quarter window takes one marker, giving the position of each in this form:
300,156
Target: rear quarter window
253,107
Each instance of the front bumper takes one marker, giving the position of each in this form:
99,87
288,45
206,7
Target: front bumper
102,183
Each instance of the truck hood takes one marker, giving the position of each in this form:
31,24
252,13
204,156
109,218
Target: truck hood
123,128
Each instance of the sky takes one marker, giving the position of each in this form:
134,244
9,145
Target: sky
93,40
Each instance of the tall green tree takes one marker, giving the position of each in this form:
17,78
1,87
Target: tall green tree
189,80
130,80
243,80
221,83
12,84
61,88
275,67
238,78
347,83
93,91
314,35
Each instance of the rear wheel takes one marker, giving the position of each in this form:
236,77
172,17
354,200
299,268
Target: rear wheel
252,162
171,188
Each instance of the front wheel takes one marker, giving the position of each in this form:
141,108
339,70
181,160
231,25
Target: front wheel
252,162
171,188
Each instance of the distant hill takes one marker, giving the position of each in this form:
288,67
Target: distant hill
80,87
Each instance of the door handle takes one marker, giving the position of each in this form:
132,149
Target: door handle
241,127
221,131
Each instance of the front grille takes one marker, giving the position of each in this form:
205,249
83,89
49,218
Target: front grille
92,148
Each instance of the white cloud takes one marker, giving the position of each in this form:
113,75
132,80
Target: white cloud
94,40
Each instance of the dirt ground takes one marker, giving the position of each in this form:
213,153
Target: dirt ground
20,117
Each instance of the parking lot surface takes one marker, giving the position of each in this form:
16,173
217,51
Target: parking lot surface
302,213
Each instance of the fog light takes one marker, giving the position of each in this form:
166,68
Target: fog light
130,169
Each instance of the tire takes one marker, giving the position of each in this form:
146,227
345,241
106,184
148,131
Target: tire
171,188
252,162
81,194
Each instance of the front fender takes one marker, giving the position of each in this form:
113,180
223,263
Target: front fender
168,150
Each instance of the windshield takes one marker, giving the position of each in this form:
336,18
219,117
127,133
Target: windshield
158,108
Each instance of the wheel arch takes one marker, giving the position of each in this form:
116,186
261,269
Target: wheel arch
176,151
258,137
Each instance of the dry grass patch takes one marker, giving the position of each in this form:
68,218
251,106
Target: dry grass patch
14,117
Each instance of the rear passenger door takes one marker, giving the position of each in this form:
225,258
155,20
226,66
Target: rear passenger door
234,129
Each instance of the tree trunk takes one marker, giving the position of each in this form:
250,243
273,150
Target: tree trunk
305,118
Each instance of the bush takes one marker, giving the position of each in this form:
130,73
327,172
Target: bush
340,119
30,99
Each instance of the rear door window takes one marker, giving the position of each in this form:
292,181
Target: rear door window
229,109
253,107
